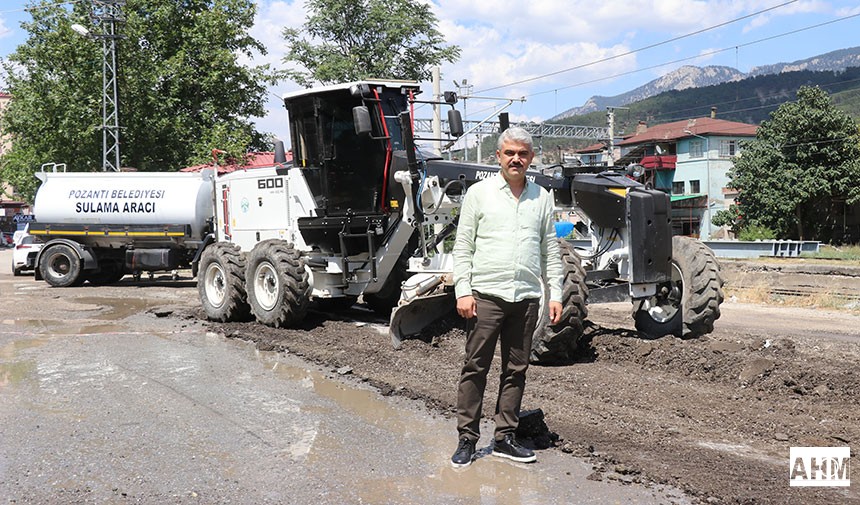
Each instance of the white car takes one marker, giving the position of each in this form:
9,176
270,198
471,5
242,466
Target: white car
26,247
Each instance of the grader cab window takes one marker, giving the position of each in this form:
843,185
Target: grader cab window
344,170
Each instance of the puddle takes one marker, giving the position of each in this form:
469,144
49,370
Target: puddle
97,309
15,372
115,309
31,327
10,350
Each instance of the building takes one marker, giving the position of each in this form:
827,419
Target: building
596,155
13,211
251,161
690,160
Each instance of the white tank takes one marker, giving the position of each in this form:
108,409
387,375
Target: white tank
133,198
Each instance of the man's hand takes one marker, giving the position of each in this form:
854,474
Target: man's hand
467,308
554,311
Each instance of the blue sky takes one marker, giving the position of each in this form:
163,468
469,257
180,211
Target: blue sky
559,53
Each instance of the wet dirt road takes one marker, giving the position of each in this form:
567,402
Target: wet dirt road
714,416
115,395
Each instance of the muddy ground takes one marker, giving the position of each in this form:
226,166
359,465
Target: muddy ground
714,416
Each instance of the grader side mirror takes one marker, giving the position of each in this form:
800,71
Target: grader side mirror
361,120
455,123
635,170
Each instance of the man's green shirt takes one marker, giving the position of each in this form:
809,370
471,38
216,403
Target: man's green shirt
505,245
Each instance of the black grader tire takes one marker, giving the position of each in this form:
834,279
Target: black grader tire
277,284
553,343
687,306
61,267
221,283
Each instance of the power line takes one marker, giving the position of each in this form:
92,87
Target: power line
633,51
709,53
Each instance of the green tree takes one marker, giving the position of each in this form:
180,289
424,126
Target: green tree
800,170
348,40
182,88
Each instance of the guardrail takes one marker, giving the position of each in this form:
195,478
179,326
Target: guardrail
745,249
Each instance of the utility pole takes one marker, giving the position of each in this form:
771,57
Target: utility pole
468,87
437,113
610,128
107,14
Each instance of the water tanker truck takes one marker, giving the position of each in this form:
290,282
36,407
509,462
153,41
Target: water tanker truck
362,213
98,227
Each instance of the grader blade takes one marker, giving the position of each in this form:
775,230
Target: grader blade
408,319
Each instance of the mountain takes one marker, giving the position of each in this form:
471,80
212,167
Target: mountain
685,77
690,76
750,100
835,60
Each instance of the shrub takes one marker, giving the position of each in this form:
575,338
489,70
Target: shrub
756,232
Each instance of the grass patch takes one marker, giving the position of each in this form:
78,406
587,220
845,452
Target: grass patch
849,253
762,295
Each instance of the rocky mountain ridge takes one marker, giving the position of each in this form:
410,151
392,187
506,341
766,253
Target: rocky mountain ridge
690,76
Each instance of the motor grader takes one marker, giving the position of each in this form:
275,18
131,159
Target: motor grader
363,212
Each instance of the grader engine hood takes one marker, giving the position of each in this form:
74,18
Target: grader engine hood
611,200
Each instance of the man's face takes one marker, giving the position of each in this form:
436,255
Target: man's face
514,157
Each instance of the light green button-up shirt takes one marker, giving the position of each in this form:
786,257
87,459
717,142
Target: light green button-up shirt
505,245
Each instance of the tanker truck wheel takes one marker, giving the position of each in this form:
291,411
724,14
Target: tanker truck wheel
277,284
221,283
557,343
688,305
61,267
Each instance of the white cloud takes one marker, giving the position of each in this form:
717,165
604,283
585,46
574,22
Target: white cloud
571,49
272,18
4,31
848,11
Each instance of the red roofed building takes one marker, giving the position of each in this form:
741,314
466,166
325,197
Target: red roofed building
252,161
690,159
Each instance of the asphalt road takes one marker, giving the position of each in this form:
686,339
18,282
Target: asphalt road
102,401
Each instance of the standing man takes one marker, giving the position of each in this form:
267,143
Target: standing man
505,246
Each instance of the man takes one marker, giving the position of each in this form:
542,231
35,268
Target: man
505,246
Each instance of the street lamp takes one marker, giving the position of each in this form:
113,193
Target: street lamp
81,30
707,178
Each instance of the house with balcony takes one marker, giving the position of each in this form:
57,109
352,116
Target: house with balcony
690,160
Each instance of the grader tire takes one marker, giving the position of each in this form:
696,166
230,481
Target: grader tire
277,284
688,306
552,343
221,283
